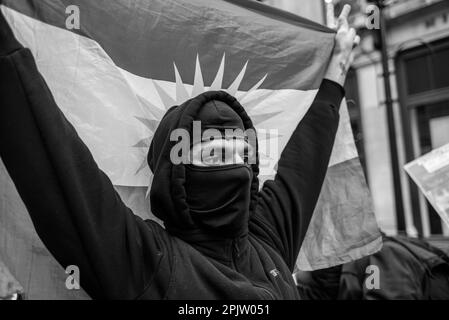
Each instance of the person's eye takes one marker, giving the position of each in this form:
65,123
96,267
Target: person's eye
211,158
212,161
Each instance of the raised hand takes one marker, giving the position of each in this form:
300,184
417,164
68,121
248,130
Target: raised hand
346,40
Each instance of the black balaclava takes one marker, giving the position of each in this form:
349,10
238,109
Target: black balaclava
219,196
203,204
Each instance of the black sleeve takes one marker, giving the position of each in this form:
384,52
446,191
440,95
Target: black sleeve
72,203
286,204
321,284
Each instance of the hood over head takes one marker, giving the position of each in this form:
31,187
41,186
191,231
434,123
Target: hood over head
180,193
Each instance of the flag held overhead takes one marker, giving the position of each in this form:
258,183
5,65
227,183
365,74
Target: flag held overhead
116,76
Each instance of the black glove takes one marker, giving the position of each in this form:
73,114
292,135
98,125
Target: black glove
8,43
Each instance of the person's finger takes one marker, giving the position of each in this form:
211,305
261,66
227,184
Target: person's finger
345,11
342,21
352,33
356,40
330,17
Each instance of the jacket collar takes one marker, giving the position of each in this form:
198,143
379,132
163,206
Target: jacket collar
228,251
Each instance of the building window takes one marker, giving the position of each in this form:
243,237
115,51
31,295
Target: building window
433,127
427,70
423,83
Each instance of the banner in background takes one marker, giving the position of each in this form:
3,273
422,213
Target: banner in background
431,173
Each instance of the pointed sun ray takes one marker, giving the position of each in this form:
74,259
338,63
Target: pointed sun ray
198,83
218,81
144,143
167,100
248,100
156,112
142,166
181,91
232,90
259,118
149,123
255,87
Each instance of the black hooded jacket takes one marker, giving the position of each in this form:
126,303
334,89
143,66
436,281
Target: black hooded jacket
83,222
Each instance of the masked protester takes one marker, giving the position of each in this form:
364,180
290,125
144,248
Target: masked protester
223,238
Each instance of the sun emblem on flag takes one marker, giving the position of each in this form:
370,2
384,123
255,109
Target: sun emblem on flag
184,92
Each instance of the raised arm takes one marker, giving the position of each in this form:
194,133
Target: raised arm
72,203
287,203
